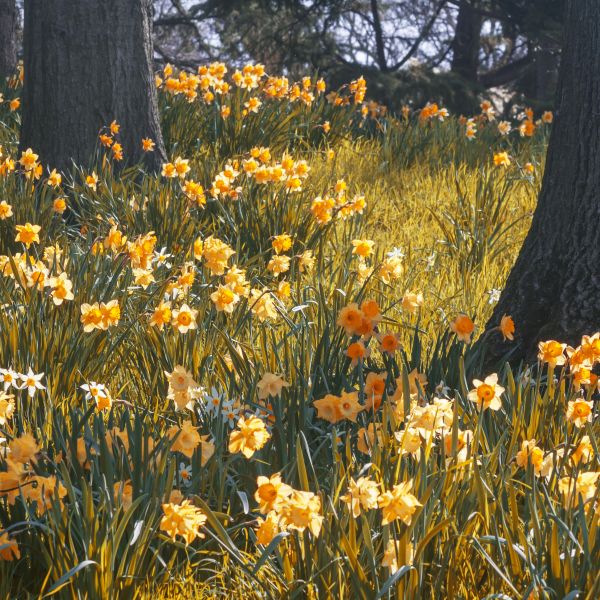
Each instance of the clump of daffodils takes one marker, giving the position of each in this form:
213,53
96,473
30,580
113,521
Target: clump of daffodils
285,509
19,479
182,520
183,390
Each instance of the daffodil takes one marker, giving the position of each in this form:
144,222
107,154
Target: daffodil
184,318
271,385
250,435
271,492
61,289
28,234
362,495
487,393
32,382
530,454
463,326
183,520
9,378
7,408
398,503
9,549
580,411
186,437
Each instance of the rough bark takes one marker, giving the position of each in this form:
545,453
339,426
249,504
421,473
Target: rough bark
465,46
8,38
553,290
546,69
87,64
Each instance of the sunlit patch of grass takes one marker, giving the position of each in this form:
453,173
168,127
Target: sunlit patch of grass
459,227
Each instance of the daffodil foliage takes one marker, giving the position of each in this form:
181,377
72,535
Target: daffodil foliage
253,373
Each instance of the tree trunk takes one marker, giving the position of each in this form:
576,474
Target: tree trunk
538,80
553,291
379,42
8,38
546,69
87,64
465,46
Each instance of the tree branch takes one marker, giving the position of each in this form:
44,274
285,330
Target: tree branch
172,60
505,74
424,33
379,43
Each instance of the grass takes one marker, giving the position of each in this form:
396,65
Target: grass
479,515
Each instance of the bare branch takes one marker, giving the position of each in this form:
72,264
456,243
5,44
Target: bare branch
424,33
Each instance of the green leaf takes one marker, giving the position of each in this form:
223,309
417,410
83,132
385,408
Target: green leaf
393,580
269,550
58,585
